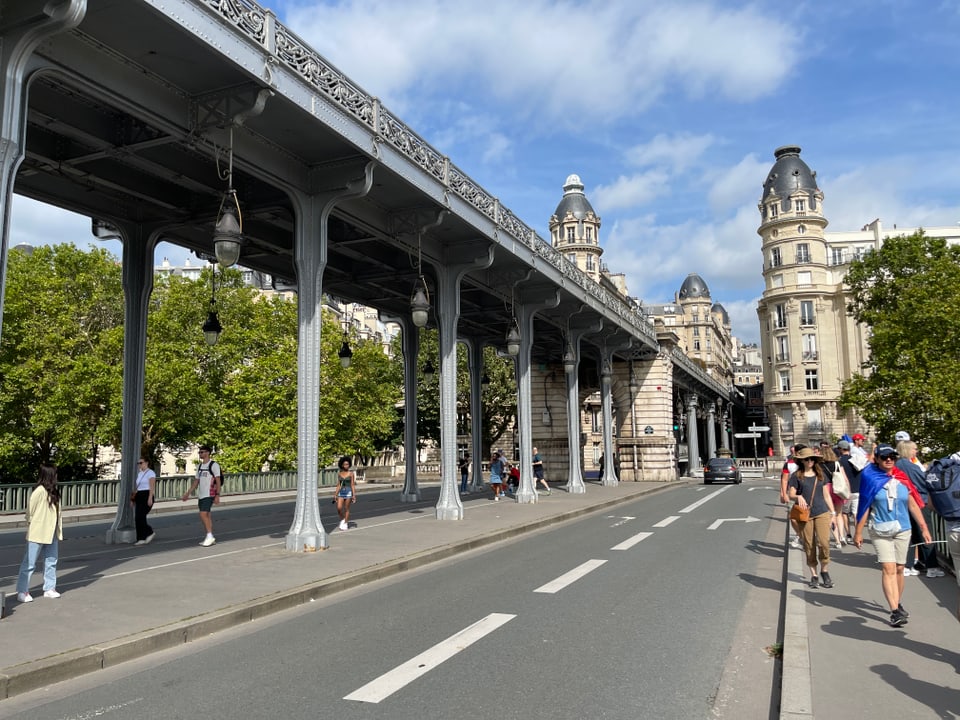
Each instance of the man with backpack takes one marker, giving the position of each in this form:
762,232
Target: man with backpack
943,486
207,483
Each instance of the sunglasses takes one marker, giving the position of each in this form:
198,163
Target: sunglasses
887,457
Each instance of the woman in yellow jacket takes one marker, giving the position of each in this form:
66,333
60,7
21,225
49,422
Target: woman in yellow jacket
44,531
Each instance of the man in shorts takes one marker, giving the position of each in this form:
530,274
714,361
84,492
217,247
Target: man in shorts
207,483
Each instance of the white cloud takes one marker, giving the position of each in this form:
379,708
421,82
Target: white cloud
677,152
575,63
36,223
630,191
732,186
743,318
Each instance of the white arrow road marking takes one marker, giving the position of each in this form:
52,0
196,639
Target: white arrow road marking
759,488
567,578
630,542
701,501
388,683
718,523
666,521
623,519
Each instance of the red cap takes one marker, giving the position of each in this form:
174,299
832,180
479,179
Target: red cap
858,436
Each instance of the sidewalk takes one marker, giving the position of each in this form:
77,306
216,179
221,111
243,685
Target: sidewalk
841,658
117,604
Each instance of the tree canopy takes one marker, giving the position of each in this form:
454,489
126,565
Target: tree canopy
61,356
908,294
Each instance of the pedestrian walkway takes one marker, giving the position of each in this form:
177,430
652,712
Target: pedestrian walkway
121,602
841,658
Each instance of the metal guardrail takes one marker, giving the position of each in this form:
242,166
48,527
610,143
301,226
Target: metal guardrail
105,493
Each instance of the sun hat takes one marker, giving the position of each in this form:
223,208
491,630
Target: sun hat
806,453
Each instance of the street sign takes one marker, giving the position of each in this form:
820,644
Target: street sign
746,435
759,428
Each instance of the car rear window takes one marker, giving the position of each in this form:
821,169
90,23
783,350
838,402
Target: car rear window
720,463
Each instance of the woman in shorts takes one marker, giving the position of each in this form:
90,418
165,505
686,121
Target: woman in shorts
888,499
346,491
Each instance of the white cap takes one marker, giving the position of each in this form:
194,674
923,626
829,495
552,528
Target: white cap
902,436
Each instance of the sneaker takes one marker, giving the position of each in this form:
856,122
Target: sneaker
52,594
343,525
849,539
496,498
814,582
149,538
903,611
897,619
25,597
919,568
795,542
208,541
825,577
907,572
549,492
140,542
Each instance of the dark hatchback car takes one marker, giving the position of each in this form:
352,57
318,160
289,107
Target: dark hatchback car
722,468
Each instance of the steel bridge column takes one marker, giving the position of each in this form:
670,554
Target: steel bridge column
575,484
526,493
475,356
137,269
610,477
711,431
449,277
693,441
26,23
410,338
310,240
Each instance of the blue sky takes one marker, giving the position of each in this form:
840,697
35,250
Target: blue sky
669,113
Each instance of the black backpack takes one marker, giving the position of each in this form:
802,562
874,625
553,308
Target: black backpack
223,478
943,486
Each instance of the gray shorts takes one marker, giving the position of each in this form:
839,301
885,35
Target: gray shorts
892,549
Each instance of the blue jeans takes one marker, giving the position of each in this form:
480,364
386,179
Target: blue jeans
464,477
51,554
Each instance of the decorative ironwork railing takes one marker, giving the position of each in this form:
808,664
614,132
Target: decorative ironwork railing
261,26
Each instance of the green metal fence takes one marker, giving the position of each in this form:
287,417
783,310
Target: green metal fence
100,493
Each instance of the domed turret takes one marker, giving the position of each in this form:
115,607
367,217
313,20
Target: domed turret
694,287
573,201
720,310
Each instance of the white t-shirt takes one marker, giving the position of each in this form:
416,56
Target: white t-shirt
207,473
143,479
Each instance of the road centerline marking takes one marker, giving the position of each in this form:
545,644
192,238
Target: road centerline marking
666,521
630,542
567,578
701,501
394,680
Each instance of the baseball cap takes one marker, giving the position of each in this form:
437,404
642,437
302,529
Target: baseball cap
843,445
858,436
901,436
884,451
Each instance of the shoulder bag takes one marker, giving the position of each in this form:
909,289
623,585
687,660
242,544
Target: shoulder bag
802,514
841,486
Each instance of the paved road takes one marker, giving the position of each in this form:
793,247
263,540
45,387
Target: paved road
653,609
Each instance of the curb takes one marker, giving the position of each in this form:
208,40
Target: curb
796,686
71,664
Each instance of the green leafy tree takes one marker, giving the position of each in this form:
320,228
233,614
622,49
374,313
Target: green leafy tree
56,377
907,293
498,398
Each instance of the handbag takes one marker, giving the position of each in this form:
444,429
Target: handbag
802,514
841,486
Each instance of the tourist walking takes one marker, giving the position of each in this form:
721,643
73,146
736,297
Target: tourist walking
831,465
464,467
497,468
346,490
810,488
44,533
143,501
887,502
921,558
207,483
790,466
538,473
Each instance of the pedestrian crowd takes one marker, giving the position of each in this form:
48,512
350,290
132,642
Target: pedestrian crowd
839,492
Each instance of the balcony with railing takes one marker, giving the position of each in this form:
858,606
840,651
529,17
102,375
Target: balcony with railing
808,321
810,355
779,323
803,258
782,357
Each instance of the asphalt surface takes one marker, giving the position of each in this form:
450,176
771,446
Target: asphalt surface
121,602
